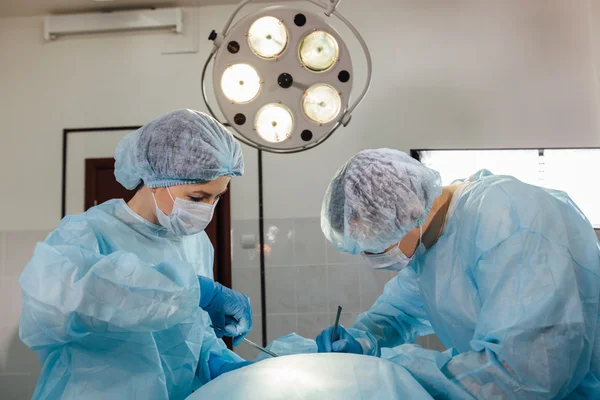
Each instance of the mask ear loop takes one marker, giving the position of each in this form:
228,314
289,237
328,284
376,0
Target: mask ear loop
156,203
170,195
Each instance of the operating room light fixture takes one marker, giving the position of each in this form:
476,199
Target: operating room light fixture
283,76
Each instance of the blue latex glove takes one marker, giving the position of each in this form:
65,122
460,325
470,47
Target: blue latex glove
218,365
228,309
345,342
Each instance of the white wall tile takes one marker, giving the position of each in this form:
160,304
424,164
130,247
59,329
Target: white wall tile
6,337
17,386
247,281
2,252
19,250
246,351
244,258
19,366
280,290
279,242
334,256
346,319
309,242
15,356
371,285
342,284
311,289
310,325
10,301
280,325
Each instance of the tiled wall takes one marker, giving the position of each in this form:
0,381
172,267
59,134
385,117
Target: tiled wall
306,279
19,366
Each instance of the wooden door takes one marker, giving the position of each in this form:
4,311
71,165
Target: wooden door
101,185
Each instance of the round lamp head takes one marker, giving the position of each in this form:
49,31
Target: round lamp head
274,123
319,51
267,37
240,83
322,103
288,74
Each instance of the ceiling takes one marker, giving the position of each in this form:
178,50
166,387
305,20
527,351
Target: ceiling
10,8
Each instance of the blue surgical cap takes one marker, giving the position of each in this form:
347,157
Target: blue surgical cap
375,199
179,148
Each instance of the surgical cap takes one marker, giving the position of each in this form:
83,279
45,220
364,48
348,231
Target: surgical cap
179,148
375,199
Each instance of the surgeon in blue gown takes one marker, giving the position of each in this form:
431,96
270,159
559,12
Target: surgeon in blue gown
505,273
118,301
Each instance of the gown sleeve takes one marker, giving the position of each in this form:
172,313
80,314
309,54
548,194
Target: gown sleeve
397,317
70,289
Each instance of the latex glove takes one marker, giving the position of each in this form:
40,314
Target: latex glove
219,366
345,342
228,309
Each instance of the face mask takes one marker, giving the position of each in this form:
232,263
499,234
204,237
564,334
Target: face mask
394,259
187,217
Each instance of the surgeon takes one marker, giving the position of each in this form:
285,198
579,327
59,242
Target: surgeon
118,301
505,273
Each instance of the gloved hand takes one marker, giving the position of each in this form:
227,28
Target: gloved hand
218,365
228,309
345,342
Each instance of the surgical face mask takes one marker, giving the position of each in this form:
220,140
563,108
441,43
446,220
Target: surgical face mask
393,259
187,217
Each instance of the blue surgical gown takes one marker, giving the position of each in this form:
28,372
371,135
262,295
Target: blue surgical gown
511,287
110,305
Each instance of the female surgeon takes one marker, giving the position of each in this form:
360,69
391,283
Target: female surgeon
506,274
117,300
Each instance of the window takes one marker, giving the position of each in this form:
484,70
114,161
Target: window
571,170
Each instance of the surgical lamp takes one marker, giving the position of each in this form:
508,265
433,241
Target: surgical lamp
282,76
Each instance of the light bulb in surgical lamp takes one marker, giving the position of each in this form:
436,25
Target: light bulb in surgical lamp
274,122
322,103
240,83
267,37
319,51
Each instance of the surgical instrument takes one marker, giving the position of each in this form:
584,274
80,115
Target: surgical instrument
337,323
269,352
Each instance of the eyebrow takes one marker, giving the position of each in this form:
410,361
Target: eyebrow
208,194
